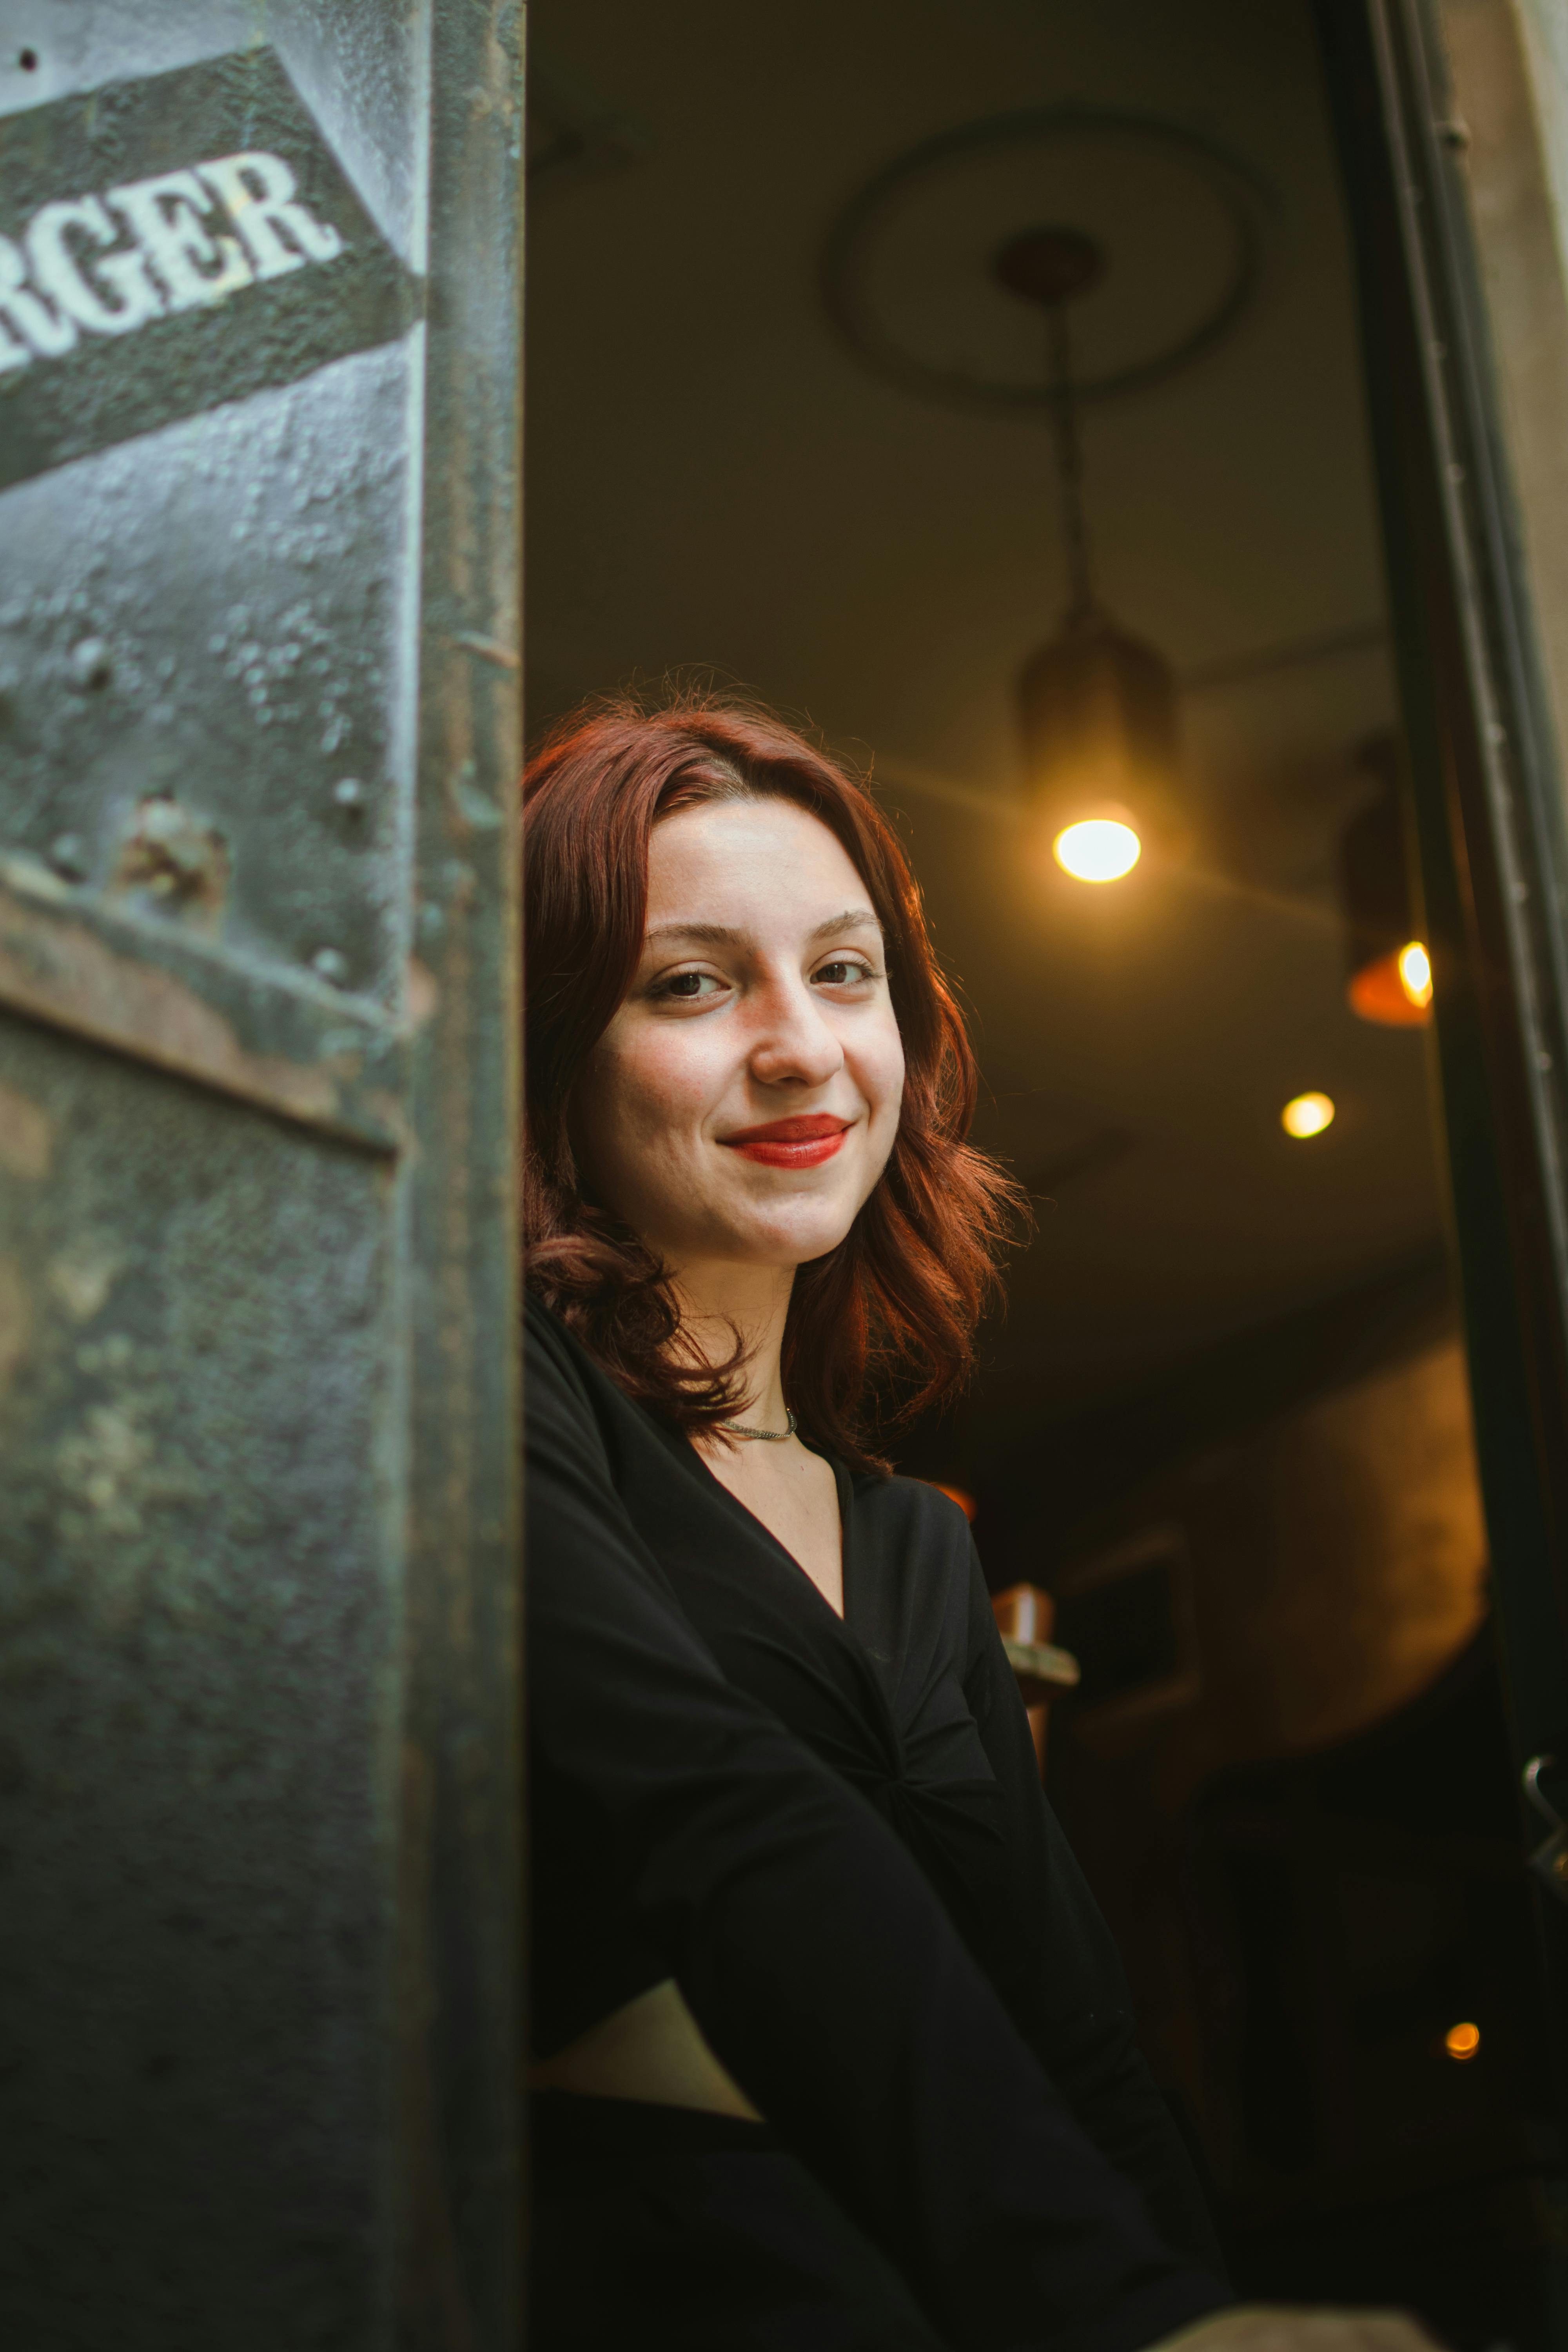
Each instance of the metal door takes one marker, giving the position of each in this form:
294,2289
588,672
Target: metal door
259,296
1473,633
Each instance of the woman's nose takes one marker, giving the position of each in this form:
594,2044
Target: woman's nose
794,1043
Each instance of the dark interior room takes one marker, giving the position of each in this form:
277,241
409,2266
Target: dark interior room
790,429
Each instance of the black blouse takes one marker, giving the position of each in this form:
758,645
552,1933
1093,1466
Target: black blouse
735,1788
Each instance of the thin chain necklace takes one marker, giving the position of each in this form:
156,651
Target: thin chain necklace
772,1436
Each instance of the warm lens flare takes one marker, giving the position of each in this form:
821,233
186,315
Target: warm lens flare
1099,850
1394,990
1307,1115
1462,2040
1415,973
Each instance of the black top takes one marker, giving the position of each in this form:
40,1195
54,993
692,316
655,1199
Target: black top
804,1821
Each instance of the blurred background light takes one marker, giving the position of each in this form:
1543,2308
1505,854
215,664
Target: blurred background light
1415,973
1100,849
1306,1114
1388,974
1395,989
1462,2040
959,1494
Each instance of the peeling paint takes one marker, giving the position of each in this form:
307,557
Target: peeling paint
101,1466
58,969
82,1275
176,859
27,1137
15,1320
421,995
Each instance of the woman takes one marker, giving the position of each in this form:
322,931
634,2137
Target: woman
833,2049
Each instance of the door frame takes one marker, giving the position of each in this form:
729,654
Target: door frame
1488,802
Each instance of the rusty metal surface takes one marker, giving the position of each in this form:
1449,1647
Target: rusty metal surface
259,1612
197,1696
222,627
114,977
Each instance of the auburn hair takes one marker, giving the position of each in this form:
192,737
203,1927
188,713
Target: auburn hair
884,1324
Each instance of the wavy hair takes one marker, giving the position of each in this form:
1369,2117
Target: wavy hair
886,1320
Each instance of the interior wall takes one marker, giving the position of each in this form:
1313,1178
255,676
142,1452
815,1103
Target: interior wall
1338,1566
1338,1570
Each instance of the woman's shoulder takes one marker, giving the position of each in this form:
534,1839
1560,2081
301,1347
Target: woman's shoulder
547,1345
558,1375
927,1524
916,1574
913,1499
565,1390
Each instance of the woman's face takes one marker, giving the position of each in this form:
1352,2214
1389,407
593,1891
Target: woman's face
743,1100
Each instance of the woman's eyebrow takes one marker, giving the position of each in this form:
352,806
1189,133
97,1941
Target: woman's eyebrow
721,935
713,935
850,918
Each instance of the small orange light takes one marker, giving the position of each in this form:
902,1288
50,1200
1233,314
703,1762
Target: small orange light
1462,2040
1415,973
1394,990
966,1502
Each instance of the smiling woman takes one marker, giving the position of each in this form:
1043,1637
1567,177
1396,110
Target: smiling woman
830,2043
783,1011
666,1049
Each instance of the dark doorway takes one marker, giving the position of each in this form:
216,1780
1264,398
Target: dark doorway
785,431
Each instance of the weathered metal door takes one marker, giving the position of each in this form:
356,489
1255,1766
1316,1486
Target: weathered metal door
1465,323
259,729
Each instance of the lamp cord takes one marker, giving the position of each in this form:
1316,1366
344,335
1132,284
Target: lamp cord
1069,460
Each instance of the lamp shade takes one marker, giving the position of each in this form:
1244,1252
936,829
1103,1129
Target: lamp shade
1097,712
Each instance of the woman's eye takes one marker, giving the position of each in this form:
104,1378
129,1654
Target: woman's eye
686,986
844,971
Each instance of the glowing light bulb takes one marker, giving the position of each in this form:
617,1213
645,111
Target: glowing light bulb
1462,2040
1306,1114
1097,850
1415,973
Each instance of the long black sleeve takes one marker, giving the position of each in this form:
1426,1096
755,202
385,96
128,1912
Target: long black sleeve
1078,2015
812,1952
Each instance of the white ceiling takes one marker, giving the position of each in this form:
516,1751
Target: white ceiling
714,479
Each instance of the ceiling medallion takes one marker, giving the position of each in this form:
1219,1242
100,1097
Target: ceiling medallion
908,274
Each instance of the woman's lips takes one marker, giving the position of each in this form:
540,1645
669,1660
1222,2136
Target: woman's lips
791,1143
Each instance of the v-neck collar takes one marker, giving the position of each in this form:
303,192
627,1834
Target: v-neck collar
680,1445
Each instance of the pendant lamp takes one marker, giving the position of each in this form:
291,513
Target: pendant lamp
1097,707
1388,972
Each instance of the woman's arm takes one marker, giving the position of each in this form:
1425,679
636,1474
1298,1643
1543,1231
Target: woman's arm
818,1964
1079,2012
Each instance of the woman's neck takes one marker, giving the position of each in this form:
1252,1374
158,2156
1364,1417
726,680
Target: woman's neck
716,1301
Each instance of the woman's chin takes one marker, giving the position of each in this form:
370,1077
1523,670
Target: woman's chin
788,1241
784,1226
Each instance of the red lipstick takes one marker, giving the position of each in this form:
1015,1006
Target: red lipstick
790,1142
